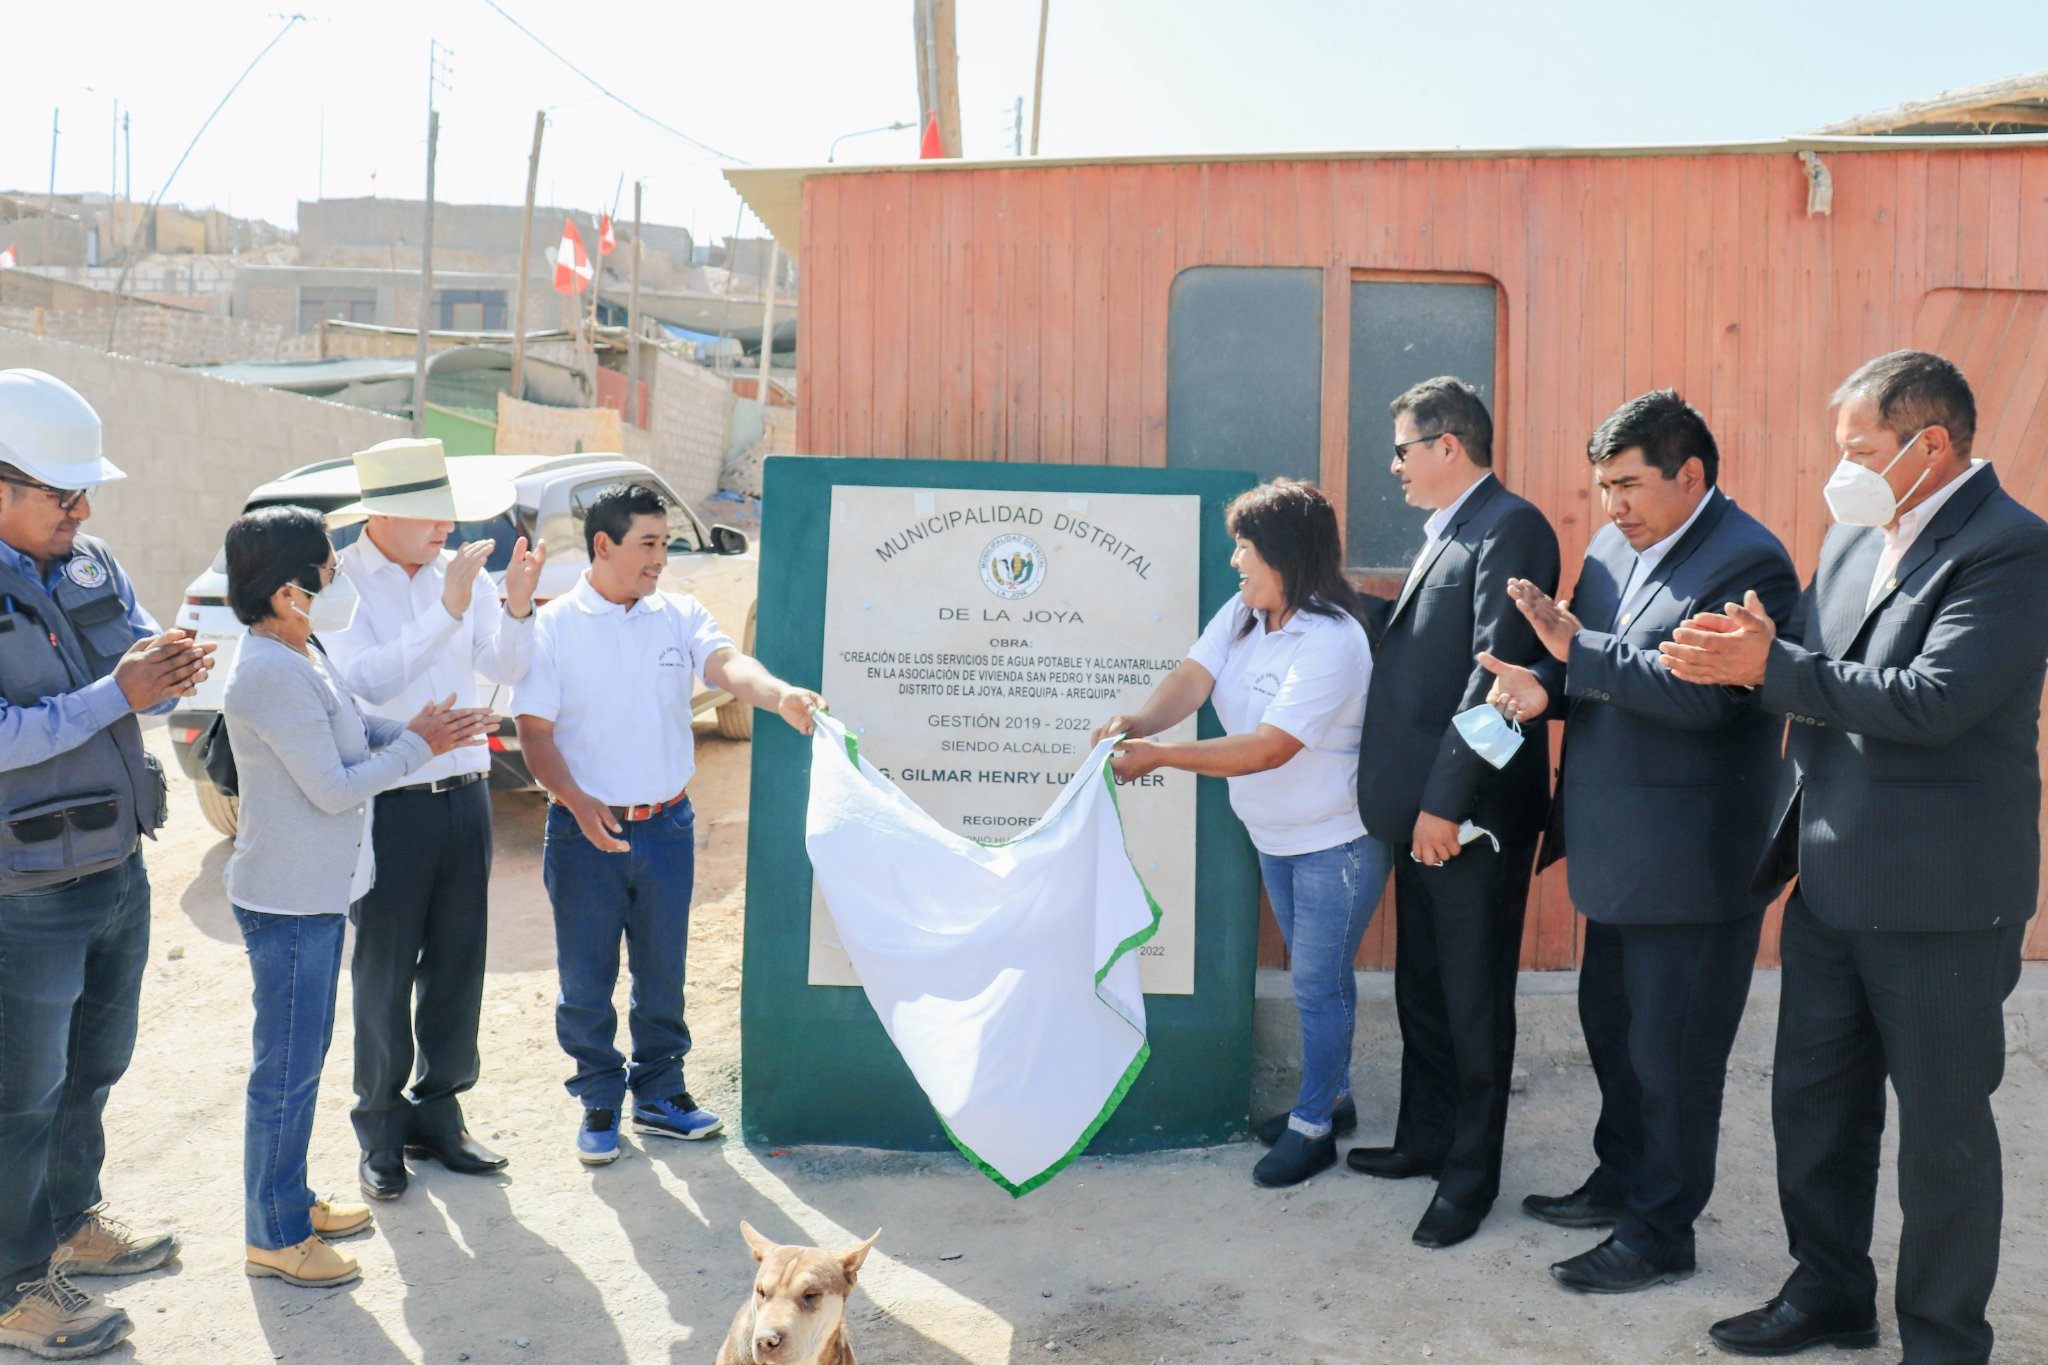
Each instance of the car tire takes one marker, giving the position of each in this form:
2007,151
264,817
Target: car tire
222,811
736,720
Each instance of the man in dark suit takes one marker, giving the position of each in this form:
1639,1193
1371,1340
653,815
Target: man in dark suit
1465,832
1912,676
1663,805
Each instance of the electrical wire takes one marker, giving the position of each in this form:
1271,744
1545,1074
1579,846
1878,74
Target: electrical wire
619,100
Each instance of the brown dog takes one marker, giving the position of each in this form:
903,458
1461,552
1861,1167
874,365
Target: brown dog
797,1313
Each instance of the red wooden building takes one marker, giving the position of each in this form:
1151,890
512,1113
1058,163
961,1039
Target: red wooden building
1260,311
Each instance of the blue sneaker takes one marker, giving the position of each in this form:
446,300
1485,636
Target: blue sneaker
676,1117
597,1141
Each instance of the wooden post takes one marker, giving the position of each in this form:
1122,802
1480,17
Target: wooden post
946,59
1038,80
419,355
50,208
767,330
633,318
540,123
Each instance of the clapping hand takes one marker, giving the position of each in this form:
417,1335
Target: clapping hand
161,667
444,726
1552,620
522,576
460,580
1728,648
1517,693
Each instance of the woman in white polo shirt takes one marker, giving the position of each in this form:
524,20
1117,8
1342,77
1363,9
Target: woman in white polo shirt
1287,663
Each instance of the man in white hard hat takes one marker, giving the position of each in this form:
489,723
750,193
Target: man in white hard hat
429,622
79,658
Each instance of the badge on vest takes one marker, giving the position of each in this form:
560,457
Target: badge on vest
85,571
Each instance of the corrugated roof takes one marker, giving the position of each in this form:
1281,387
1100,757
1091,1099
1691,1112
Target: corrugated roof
775,193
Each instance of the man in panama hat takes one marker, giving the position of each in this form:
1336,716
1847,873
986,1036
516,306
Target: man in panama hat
429,622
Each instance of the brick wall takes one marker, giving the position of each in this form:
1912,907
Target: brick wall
193,448
175,336
689,419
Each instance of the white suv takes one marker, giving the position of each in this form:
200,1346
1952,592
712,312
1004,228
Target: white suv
713,564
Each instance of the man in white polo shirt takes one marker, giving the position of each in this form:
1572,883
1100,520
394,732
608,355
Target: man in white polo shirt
429,622
604,720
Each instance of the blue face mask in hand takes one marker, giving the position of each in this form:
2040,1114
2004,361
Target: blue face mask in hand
1489,734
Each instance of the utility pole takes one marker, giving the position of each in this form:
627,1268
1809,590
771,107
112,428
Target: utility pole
50,209
540,123
1038,80
437,70
633,317
1017,128
938,71
320,175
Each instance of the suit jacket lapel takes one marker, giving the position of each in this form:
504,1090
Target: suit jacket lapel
1695,536
1478,498
1946,522
1841,606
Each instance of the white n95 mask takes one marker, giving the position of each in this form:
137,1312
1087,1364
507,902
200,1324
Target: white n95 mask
1859,496
334,607
1489,734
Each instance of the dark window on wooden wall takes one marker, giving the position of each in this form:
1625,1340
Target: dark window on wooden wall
1402,333
1244,370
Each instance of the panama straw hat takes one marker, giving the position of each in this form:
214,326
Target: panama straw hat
411,477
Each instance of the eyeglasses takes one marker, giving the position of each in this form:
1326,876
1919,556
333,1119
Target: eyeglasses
1401,447
67,498
40,829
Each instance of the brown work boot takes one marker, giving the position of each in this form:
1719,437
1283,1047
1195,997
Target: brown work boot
312,1264
106,1246
334,1218
57,1321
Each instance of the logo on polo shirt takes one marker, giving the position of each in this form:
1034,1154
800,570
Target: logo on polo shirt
1013,566
672,657
85,571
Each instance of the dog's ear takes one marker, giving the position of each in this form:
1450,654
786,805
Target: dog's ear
852,1257
760,1245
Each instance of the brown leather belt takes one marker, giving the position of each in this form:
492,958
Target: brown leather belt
635,814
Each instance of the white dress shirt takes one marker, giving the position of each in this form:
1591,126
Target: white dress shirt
1309,679
617,683
404,650
1648,560
1899,539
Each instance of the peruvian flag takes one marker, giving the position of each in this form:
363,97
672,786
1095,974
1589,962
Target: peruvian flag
572,267
606,242
929,148
7,261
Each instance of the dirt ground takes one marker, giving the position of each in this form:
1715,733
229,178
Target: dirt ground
1160,1258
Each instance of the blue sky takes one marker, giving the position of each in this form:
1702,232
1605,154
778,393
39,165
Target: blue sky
774,83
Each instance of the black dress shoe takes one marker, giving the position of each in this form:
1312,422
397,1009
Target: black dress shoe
459,1152
1779,1329
1575,1210
382,1174
1612,1268
1389,1163
1444,1224
1343,1121
1295,1158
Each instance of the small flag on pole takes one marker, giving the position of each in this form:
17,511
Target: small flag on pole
572,267
7,261
929,148
606,242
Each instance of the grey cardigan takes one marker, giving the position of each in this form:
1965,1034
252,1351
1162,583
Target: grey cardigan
308,761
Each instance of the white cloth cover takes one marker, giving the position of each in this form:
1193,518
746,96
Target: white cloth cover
1005,973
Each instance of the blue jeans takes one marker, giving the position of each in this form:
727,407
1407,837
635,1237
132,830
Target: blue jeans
295,961
71,960
644,895
1323,902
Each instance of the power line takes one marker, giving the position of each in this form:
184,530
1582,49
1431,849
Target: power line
619,100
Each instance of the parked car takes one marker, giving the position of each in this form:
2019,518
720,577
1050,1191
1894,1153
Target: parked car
712,563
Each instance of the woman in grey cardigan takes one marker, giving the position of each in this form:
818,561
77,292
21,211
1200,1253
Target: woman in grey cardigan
309,763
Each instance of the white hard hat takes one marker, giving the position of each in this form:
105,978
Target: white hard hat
49,432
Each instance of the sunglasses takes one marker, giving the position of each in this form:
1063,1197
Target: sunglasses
40,829
1401,447
67,498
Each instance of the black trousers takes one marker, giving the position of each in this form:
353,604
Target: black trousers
418,970
1457,950
1925,1010
1660,1005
